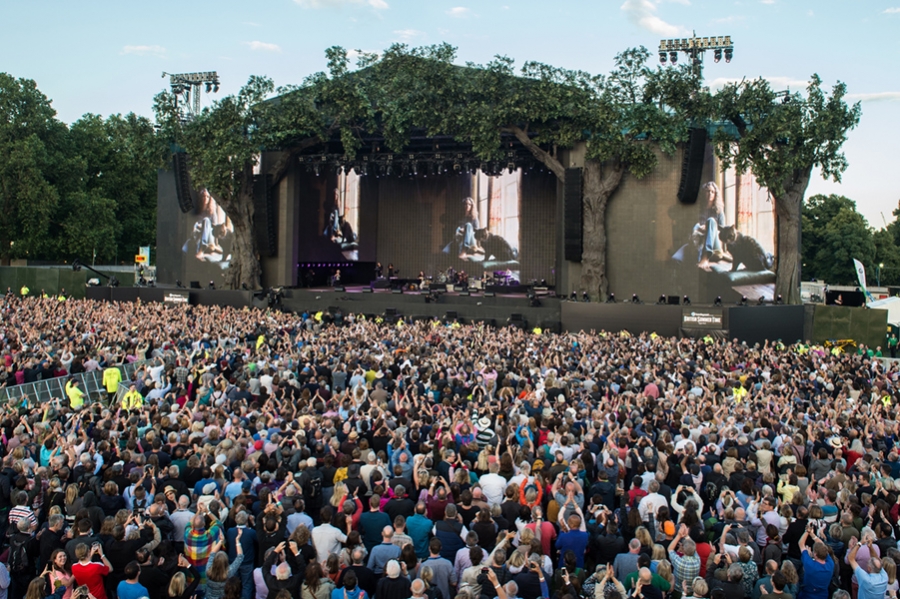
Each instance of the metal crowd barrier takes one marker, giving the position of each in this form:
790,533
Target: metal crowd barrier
48,389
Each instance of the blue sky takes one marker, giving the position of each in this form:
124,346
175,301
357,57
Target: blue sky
106,57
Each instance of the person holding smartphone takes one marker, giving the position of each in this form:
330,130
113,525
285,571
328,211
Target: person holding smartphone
90,573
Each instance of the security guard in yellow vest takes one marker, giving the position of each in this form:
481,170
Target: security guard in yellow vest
132,400
75,395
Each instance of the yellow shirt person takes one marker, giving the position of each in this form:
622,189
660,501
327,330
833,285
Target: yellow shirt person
132,400
111,379
75,395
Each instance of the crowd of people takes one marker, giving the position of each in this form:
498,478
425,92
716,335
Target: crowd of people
272,455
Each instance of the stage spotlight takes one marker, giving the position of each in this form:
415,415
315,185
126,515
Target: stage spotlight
208,87
779,300
113,282
673,56
662,300
543,282
178,284
761,301
317,170
662,58
574,296
415,168
728,54
76,265
585,297
215,88
686,301
611,299
718,301
717,55
743,301
635,299
212,285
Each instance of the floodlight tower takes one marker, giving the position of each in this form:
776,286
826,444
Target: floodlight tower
187,86
695,47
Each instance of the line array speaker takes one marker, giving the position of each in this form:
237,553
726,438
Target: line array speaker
183,189
573,208
264,218
692,166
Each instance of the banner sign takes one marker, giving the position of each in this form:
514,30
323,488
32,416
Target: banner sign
176,297
701,318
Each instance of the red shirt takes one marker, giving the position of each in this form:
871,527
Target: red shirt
92,575
703,551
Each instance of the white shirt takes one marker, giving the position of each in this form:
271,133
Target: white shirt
650,504
327,540
493,486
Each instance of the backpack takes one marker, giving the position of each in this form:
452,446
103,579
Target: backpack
18,556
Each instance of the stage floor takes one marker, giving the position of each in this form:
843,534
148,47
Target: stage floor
387,291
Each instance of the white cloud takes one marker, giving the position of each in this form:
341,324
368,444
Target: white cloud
810,13
892,11
376,4
266,47
875,97
158,51
731,19
643,14
407,35
458,12
353,55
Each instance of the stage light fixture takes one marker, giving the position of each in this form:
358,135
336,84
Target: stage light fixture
728,54
717,55
686,301
662,58
635,299
779,300
662,300
208,87
673,56
761,301
178,284
574,296
215,88
611,299
743,301
718,301
415,168
585,297
317,170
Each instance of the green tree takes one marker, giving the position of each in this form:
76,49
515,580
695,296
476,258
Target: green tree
119,157
782,140
845,237
887,254
818,211
33,144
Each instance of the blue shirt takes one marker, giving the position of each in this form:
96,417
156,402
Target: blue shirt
248,544
816,577
577,541
296,519
127,590
871,586
381,554
419,528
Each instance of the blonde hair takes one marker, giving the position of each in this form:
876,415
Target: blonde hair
890,568
659,552
340,491
664,570
643,535
177,585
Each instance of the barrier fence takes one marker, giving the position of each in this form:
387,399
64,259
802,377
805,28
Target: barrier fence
48,389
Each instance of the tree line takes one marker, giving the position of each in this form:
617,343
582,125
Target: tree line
834,233
85,191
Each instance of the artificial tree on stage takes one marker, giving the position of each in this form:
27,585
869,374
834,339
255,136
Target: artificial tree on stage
782,138
620,118
225,140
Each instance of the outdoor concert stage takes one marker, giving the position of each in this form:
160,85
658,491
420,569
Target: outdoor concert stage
751,323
